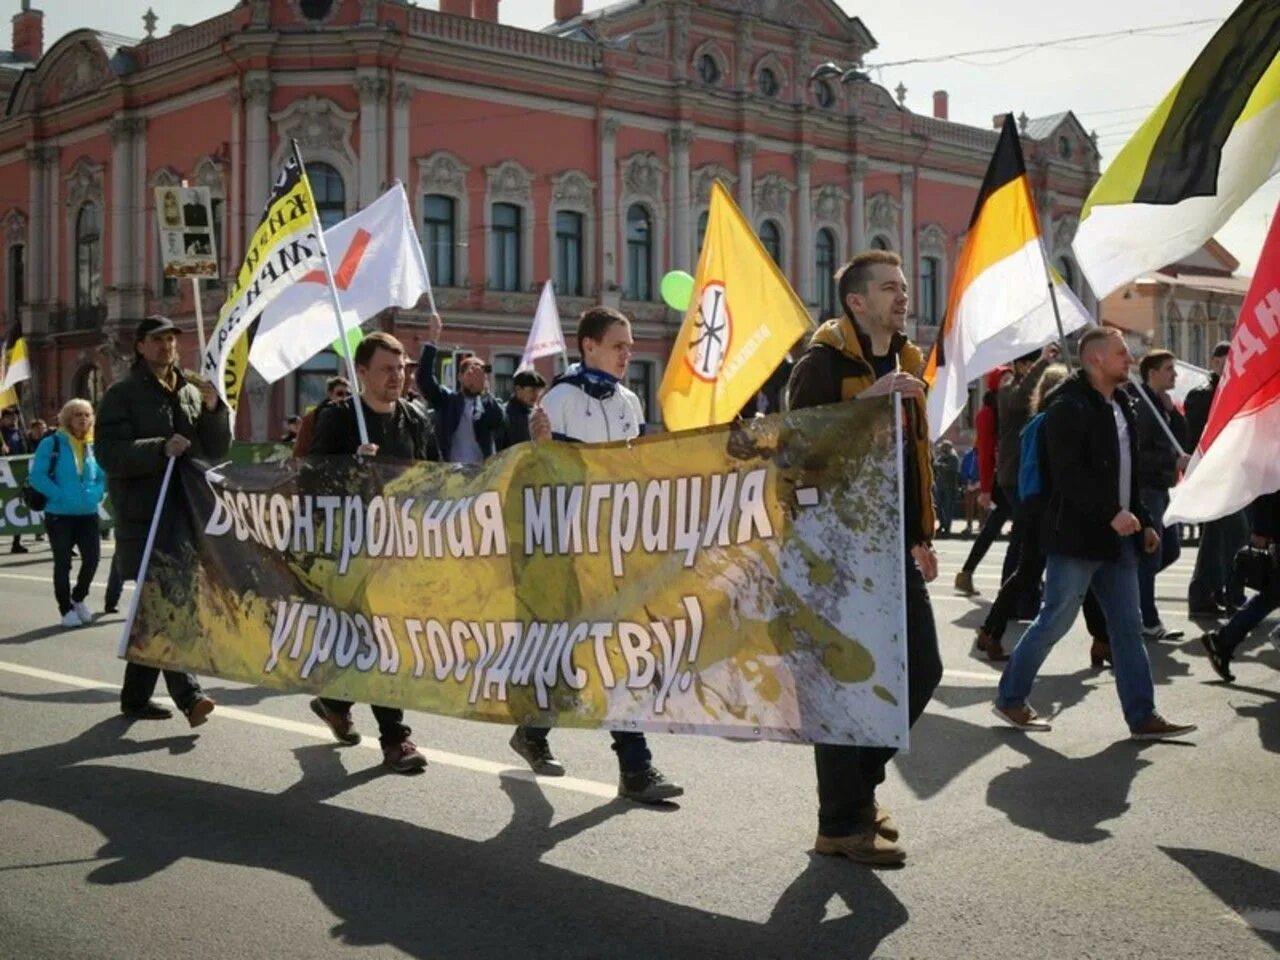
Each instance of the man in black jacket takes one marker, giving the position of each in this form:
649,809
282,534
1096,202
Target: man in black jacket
526,389
397,430
1092,524
471,423
1213,587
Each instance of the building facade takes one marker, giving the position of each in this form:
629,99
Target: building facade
584,153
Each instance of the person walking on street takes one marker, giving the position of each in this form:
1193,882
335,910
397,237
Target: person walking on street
990,498
1092,523
66,471
969,483
946,483
865,353
151,415
13,444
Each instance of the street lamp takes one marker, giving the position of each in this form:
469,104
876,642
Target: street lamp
829,69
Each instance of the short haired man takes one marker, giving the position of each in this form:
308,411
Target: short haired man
866,353
470,420
1214,589
291,423
152,414
397,430
336,389
589,403
1159,463
1094,528
526,390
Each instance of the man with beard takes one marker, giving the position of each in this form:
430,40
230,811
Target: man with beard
470,422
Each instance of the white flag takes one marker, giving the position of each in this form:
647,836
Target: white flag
378,263
546,339
1189,377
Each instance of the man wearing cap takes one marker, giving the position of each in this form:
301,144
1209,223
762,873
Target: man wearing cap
470,421
150,415
526,391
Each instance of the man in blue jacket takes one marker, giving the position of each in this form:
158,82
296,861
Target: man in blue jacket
470,423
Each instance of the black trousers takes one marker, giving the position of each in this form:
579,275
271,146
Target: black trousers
391,728
140,684
68,532
848,776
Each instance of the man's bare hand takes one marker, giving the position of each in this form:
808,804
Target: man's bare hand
926,560
1183,460
1125,523
209,395
984,501
434,327
367,450
902,383
539,424
1050,352
1150,540
176,445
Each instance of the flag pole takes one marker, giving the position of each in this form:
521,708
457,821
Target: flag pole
422,260
195,287
1168,431
123,647
333,295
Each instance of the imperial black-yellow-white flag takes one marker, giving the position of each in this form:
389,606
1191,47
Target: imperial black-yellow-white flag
14,364
1209,145
999,307
284,248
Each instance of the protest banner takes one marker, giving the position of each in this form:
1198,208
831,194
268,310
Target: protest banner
744,581
188,246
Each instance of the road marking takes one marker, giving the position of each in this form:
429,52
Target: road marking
591,788
49,580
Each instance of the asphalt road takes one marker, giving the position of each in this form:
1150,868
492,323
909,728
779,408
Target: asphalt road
256,836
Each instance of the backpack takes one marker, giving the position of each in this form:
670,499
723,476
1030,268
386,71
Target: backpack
33,498
1031,481
969,466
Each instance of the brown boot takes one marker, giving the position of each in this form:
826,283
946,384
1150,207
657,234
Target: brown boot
866,846
964,584
1100,654
990,646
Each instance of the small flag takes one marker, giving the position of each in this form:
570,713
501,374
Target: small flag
1235,461
741,322
1189,378
1209,145
999,307
17,367
546,338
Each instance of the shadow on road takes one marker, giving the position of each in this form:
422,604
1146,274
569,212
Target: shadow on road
426,893
1267,713
1250,891
39,633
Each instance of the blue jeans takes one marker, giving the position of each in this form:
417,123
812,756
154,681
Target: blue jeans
1149,564
1115,584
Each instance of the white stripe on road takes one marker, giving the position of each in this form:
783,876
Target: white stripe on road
49,580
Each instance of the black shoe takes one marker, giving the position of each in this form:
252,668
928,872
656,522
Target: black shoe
647,786
148,711
339,724
537,753
1219,659
110,608
18,548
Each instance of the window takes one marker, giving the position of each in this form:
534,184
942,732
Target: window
880,242
708,70
1064,148
1195,350
504,371
703,220
771,237
89,385
215,204
330,193
504,246
639,284
88,256
17,278
825,94
311,378
439,226
768,83
569,253
1068,272
640,381
826,269
928,296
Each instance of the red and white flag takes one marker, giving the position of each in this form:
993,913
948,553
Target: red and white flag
1236,460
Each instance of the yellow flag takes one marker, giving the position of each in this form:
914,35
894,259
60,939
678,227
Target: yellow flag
741,322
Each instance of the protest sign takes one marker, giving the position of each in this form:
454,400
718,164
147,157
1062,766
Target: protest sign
184,218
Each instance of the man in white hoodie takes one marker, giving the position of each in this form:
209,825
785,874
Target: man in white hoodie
590,403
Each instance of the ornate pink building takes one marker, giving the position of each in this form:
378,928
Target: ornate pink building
583,153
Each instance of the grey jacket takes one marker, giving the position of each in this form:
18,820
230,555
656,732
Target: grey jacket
1014,403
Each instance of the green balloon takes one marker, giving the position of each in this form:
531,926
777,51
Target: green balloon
677,290
354,336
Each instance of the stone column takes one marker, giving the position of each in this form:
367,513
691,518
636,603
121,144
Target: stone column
257,167
803,45
38,223
400,158
609,207
372,88
681,138
680,42
118,213
745,54
804,224
746,183
858,205
909,227
231,257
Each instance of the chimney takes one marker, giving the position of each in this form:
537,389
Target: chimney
28,33
485,10
459,8
568,9
940,104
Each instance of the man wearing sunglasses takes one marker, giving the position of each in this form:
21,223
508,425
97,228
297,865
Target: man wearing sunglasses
337,389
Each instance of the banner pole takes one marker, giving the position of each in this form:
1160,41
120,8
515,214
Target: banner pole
195,287
337,304
1168,431
123,646
417,247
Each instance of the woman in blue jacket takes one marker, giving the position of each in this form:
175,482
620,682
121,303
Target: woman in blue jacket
64,470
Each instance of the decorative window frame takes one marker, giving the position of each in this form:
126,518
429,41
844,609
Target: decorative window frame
772,61
84,184
703,178
829,207
210,173
510,182
572,191
932,242
443,173
15,235
771,200
711,48
883,218
643,182
323,131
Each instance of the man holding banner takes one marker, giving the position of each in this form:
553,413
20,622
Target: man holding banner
151,415
866,354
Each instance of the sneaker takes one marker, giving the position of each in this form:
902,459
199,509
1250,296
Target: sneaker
964,584
647,786
72,619
403,757
81,610
1158,728
148,711
339,724
537,753
199,711
1158,632
1219,659
1022,717
867,846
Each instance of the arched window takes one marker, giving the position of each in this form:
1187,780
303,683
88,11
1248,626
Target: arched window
439,236
505,232
17,278
708,70
826,269
769,85
825,94
639,285
569,259
928,295
771,237
330,193
89,385
88,256
878,242
1068,272
703,220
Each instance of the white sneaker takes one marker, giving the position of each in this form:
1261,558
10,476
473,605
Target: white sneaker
81,610
71,619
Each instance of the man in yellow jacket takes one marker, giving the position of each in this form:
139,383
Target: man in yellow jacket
865,353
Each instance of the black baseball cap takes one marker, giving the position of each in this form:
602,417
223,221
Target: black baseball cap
153,324
1222,349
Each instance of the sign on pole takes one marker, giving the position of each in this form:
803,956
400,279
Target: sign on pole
188,247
